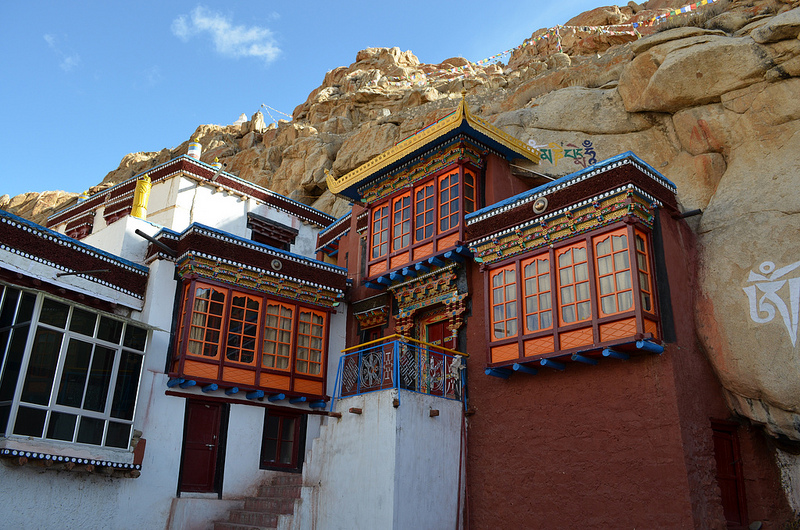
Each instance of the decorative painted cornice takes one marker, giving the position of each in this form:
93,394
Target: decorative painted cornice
579,218
461,117
49,457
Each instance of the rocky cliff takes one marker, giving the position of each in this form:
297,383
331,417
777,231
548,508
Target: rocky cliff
710,99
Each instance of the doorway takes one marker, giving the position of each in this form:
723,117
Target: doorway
203,448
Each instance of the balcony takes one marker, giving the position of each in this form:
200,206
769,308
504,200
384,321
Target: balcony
402,363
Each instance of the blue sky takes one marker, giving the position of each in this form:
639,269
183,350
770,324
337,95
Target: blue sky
85,83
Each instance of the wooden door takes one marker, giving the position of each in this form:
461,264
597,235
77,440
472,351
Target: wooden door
201,442
435,364
729,474
436,333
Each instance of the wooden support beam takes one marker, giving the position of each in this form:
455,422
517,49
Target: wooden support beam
525,369
614,354
256,394
422,267
277,397
210,388
583,359
188,383
436,261
384,280
502,373
174,382
396,276
555,365
453,256
372,285
301,399
355,410
434,413
650,347
319,404
335,414
408,272
232,390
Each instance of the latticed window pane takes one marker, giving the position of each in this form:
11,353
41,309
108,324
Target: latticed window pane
277,336
573,286
613,272
401,222
469,193
538,310
310,329
645,285
504,303
424,213
243,329
448,202
380,231
206,324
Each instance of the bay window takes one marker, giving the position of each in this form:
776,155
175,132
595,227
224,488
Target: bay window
572,297
68,373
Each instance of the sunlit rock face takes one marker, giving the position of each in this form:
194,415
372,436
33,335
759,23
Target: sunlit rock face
714,107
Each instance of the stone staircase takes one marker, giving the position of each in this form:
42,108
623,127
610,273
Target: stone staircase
262,512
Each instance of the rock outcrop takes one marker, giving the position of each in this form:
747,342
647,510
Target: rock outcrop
713,106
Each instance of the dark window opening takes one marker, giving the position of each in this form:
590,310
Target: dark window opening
269,232
284,440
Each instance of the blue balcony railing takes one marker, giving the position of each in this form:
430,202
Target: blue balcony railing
400,362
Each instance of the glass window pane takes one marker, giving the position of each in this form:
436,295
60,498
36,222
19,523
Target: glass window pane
567,295
16,349
99,379
30,422
608,304
646,302
623,280
118,435
25,311
604,265
90,431
547,319
270,447
544,301
512,327
127,385
110,330
82,322
606,285
544,282
565,276
581,272
287,433
61,426
9,307
42,367
532,322
54,313
511,291
604,247
568,314
620,242
135,337
621,261
579,254
584,311
73,376
625,300
583,290
565,259
531,304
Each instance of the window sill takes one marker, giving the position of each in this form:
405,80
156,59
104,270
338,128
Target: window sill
68,457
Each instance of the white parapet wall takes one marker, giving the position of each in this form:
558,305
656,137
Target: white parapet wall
388,467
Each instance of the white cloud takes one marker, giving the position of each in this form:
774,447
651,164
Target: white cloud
229,40
68,61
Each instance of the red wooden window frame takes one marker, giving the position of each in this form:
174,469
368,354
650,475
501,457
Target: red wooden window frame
449,197
277,325
613,272
309,342
645,277
537,293
282,440
401,221
207,335
380,231
573,280
424,212
469,192
503,302
244,323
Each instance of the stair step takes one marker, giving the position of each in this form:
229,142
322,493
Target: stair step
283,491
254,518
287,479
269,504
234,526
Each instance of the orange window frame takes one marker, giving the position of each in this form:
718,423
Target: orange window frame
537,293
206,325
310,345
401,222
244,323
278,337
613,272
380,231
469,192
643,266
574,292
503,303
424,210
449,196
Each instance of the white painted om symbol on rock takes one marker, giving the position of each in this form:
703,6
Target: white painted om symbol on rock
770,299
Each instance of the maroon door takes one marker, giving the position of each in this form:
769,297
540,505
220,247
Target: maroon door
438,334
200,446
729,475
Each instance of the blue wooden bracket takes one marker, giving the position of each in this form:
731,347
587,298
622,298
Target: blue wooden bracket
294,400
231,391
188,383
422,267
277,397
255,394
372,285
409,272
525,369
320,404
384,280
175,382
608,352
436,261
650,347
464,250
210,388
583,359
502,373
396,276
555,365
453,256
